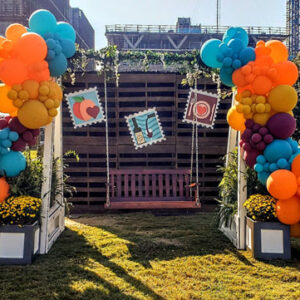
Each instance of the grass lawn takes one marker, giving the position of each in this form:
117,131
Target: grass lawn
141,256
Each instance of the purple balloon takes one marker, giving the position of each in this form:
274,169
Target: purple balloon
263,131
246,134
282,125
250,157
247,147
256,138
261,146
268,138
256,127
249,123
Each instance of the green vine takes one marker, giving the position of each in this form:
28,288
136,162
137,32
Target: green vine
109,59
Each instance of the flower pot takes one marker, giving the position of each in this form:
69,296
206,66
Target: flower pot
19,245
268,240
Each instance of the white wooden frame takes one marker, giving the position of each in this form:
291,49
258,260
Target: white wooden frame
52,218
237,231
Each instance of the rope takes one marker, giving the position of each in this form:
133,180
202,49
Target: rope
106,142
197,159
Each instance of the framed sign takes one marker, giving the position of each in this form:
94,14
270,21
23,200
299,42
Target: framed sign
201,108
85,107
145,128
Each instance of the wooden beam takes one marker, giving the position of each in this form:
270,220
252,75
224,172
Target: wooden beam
182,42
154,205
128,41
138,41
172,42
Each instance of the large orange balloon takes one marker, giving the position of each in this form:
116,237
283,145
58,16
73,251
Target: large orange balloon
295,230
4,189
287,73
12,71
279,52
236,120
288,211
261,85
296,166
31,48
14,31
238,78
6,104
282,184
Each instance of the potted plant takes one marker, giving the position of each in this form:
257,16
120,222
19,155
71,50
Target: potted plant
19,229
266,237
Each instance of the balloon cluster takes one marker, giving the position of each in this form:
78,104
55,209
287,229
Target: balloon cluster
30,59
229,54
262,112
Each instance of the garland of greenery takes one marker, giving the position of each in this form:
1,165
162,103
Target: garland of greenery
108,60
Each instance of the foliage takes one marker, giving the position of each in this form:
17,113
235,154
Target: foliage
228,187
141,256
108,60
22,210
261,208
29,182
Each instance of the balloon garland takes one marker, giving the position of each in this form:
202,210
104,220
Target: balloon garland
30,60
262,112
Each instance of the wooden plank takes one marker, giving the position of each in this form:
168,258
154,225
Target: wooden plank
157,198
146,185
112,180
133,191
154,205
186,182
150,171
140,188
160,185
174,185
180,182
119,185
153,185
167,180
126,185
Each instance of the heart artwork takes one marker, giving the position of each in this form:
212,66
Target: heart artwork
93,111
201,109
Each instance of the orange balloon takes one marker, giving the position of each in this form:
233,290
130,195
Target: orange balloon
31,48
14,31
238,78
288,211
279,52
261,85
287,73
282,184
296,166
12,71
39,71
236,120
4,189
295,230
6,104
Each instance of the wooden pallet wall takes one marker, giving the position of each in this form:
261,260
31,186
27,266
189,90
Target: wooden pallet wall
136,92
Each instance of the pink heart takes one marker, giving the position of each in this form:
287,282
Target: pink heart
93,111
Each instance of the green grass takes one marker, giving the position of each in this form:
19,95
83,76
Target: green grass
140,256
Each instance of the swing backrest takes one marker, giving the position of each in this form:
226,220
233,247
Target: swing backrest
149,184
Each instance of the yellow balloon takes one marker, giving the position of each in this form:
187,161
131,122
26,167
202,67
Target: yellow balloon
236,120
261,119
283,98
33,114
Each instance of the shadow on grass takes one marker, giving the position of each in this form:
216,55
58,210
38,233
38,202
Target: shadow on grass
64,273
166,238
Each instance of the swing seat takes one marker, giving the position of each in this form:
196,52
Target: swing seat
151,189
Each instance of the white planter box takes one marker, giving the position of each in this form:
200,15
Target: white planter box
19,245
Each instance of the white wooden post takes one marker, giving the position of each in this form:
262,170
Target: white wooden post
242,196
52,218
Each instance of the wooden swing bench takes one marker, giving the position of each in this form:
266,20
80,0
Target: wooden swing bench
151,189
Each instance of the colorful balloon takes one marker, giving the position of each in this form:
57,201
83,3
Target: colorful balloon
295,230
14,31
4,189
12,164
279,51
42,21
288,211
236,120
282,125
282,184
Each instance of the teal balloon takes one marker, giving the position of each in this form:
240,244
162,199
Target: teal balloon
65,31
246,55
278,149
236,33
226,76
236,45
42,21
58,65
263,177
12,164
68,48
209,53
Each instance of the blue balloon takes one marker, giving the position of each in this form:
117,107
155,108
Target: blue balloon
12,164
68,48
261,159
258,168
247,54
209,52
226,76
273,167
42,21
66,31
58,65
282,163
227,62
236,33
278,149
236,64
263,177
236,45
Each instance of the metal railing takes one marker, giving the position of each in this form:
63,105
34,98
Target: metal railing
198,29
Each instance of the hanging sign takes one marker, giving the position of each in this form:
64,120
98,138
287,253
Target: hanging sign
85,107
145,128
201,108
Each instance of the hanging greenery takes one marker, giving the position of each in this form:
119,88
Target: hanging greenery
109,59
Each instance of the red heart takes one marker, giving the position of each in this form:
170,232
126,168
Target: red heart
201,109
93,111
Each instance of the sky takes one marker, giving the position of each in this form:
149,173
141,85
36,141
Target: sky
165,12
